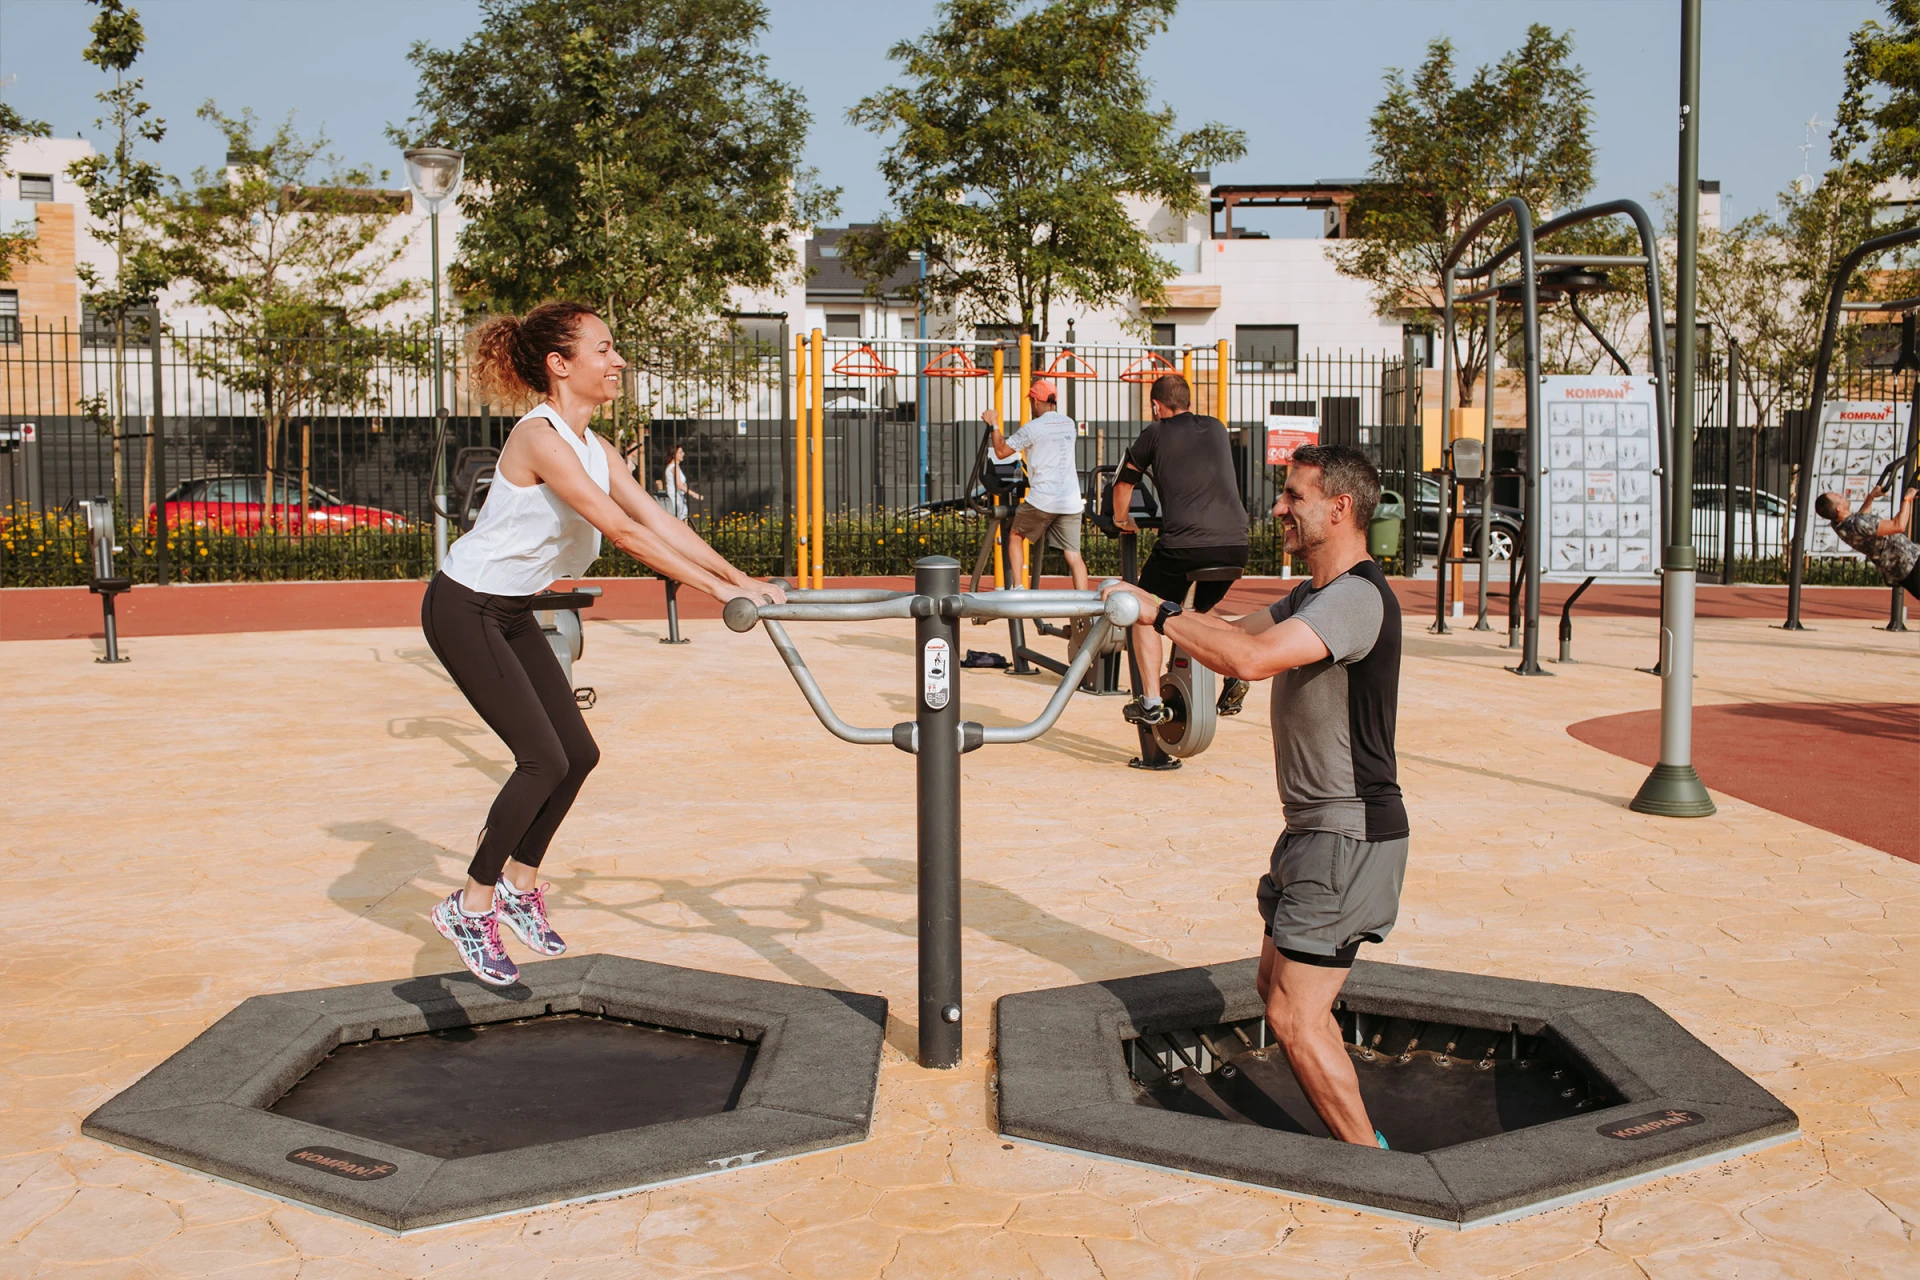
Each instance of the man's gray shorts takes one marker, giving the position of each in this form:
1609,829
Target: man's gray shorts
1031,524
1327,892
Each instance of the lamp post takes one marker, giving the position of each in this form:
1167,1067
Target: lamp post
434,174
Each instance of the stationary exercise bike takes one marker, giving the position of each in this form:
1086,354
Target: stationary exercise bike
1191,691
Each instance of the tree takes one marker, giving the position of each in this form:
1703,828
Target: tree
1017,139
15,246
1879,111
286,246
634,154
121,191
1444,153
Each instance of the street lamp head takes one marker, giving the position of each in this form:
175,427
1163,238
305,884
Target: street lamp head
434,174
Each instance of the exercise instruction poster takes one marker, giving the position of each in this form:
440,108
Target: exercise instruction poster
1602,505
1858,438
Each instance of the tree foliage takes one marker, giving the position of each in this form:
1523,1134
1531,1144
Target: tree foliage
1445,152
1018,135
1879,112
286,245
122,189
634,154
15,247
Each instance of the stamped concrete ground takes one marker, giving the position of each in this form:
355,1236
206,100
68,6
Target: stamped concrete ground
229,815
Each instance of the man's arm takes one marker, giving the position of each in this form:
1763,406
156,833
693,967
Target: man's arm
1250,648
1001,448
1898,523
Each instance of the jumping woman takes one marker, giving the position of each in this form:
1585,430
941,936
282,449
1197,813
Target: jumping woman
557,489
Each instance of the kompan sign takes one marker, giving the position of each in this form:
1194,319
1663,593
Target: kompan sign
1858,439
1602,506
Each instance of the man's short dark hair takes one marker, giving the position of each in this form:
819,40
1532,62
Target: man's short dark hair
1824,505
1344,469
1171,390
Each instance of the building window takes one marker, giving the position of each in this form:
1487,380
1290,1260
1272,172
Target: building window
842,325
36,187
9,317
1272,348
1164,337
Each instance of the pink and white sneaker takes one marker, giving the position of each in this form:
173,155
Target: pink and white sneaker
526,914
477,938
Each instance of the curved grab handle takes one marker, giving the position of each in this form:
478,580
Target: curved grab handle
810,689
1076,672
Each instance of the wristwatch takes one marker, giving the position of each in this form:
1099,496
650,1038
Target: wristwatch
1167,610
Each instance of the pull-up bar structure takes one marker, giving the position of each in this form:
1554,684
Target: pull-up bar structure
1816,400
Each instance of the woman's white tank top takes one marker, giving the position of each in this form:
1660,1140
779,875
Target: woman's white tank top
527,536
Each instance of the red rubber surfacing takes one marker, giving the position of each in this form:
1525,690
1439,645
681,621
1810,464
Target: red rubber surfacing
1852,768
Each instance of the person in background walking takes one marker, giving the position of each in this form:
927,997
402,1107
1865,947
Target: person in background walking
678,490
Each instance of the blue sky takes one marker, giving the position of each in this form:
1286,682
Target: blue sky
1300,76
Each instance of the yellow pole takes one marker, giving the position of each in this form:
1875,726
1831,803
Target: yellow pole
999,413
1220,380
1026,375
818,460
1186,366
803,567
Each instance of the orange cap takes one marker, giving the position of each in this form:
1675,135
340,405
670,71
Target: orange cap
1043,390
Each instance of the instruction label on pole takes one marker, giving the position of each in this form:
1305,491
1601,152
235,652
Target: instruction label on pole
1858,438
936,669
1287,432
1600,501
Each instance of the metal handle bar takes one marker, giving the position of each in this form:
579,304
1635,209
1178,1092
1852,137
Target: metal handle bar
844,595
1123,610
742,614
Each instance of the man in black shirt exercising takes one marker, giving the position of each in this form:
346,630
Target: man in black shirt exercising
1203,525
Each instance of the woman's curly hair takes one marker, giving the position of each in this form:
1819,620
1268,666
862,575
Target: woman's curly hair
510,352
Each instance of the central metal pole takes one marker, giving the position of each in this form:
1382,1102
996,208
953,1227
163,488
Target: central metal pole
937,770
1728,472
439,456
1674,789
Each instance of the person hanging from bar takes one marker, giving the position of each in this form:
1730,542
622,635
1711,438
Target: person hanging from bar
558,489
1884,543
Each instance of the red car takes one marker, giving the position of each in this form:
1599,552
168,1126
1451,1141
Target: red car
233,503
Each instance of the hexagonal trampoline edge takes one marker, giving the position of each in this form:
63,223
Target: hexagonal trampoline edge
222,1128
1058,1049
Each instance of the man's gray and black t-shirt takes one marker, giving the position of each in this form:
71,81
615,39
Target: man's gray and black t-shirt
1333,721
1894,556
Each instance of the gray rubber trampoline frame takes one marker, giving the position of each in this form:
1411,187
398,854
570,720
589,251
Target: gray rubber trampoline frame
1063,1082
815,1071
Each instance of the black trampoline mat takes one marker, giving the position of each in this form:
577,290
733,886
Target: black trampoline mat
498,1087
1421,1100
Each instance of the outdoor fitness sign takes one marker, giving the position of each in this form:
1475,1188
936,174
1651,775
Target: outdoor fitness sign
1602,507
1858,438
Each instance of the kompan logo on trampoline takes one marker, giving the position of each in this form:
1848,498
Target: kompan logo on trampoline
1651,1123
342,1164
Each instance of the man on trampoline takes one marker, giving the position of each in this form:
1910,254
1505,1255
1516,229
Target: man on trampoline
1884,543
1332,647
557,489
1050,513
1203,525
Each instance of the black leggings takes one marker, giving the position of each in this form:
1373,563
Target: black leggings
493,649
1912,582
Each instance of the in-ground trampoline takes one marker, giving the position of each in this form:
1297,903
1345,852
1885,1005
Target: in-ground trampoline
1501,1098
434,1100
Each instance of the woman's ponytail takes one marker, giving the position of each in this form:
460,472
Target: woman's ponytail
510,352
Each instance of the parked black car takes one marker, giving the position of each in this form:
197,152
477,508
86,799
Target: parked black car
1427,515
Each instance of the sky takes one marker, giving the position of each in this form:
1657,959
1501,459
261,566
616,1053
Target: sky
1300,77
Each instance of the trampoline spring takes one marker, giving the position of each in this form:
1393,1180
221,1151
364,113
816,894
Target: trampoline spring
1406,1053
1175,1046
1241,1032
1219,1058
